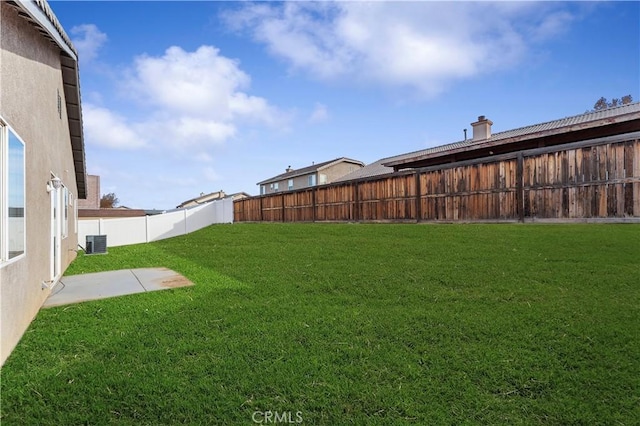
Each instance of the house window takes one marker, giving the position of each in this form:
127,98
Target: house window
262,190
65,212
312,180
322,178
290,184
73,203
12,194
275,187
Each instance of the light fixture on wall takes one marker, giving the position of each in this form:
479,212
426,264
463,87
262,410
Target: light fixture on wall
54,183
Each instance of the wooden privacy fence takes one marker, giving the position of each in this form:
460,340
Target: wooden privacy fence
591,179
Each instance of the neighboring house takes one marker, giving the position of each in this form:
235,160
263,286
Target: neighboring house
93,194
205,198
90,207
316,174
584,167
239,195
590,125
106,213
42,161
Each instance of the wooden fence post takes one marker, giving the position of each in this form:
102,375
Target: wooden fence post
283,207
356,202
520,186
418,210
313,203
261,209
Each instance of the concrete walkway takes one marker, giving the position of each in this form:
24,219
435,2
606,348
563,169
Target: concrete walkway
101,285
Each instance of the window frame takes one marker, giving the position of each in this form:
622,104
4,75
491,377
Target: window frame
65,212
5,136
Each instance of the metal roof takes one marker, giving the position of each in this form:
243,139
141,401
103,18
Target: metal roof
563,125
381,167
309,169
39,14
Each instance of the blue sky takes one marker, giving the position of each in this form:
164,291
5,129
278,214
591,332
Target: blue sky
181,98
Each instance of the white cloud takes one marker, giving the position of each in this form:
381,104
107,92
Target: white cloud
420,45
185,100
198,84
320,114
87,41
186,131
105,128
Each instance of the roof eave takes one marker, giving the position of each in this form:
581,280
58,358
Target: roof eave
40,13
70,77
340,160
307,170
506,141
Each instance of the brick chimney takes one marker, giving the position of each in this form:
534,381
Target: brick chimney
481,129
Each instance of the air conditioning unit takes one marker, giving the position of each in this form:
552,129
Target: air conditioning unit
96,244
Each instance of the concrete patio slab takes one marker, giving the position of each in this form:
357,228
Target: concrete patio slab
101,285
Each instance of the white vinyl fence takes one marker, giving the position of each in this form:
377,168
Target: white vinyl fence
135,230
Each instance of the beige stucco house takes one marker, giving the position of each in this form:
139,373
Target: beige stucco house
212,196
315,174
92,201
42,161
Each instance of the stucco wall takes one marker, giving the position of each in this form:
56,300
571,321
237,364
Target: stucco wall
299,182
31,81
93,194
332,173
338,170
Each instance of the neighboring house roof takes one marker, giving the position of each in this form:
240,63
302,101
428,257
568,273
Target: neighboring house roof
589,120
203,198
92,213
309,169
239,195
39,14
583,121
373,169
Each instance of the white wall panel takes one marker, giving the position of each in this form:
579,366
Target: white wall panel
136,230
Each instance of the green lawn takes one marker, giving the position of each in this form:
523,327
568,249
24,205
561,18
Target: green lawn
348,324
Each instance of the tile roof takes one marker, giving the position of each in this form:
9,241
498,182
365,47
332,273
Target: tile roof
306,170
379,168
